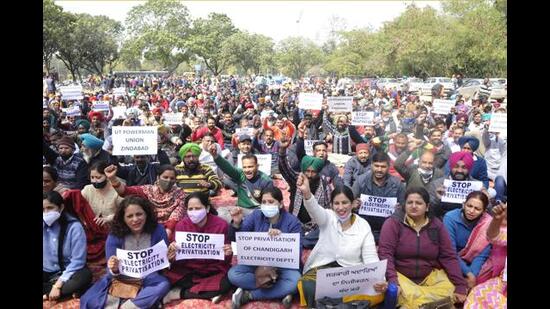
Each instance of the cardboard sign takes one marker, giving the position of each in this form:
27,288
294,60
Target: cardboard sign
121,91
310,101
72,111
101,106
129,141
140,263
245,131
499,123
340,104
457,190
260,249
342,281
173,118
362,118
119,112
377,206
308,146
442,106
73,92
264,161
199,246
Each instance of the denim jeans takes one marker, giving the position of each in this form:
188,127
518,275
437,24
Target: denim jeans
243,276
500,187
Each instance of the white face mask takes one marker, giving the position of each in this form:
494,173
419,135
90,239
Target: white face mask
345,218
269,211
50,217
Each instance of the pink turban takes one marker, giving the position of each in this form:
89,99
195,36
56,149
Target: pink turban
464,156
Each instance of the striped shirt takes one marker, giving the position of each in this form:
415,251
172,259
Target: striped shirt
189,181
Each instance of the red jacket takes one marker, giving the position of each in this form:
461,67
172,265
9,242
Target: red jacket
207,274
218,136
417,255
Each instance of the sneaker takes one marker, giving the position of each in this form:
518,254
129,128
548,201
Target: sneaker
216,299
236,299
287,301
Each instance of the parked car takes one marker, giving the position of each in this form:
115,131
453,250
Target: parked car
389,83
426,88
470,88
413,84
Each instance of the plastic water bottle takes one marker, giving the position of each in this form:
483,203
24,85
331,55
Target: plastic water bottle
390,299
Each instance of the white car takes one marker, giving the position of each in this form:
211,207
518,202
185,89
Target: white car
389,83
470,88
413,84
426,88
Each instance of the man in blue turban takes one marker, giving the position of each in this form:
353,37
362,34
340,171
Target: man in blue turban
92,150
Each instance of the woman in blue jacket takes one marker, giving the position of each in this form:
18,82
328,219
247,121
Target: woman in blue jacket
274,219
467,227
134,227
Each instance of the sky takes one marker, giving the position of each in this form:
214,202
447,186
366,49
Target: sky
276,19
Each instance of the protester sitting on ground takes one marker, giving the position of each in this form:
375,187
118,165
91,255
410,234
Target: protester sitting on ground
273,219
205,157
282,128
378,182
467,228
95,206
452,141
320,150
479,169
461,164
358,165
268,145
71,168
193,176
436,278
199,278
420,175
440,149
64,271
210,128
98,124
142,171
244,147
491,290
340,135
249,180
166,198
495,148
50,181
134,227
345,240
92,151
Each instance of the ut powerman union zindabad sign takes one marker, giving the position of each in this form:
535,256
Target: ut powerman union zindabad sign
130,141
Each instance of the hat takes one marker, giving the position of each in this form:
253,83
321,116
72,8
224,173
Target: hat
464,156
194,148
361,146
67,141
245,137
249,105
97,114
471,140
83,122
462,116
316,163
91,141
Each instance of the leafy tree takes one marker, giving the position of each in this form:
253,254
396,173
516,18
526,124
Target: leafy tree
207,38
158,30
295,55
55,25
248,51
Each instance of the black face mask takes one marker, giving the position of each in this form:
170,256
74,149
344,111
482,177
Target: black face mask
100,185
65,157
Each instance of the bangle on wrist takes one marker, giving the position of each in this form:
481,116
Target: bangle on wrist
116,184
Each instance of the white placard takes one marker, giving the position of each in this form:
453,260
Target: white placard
234,248
101,106
199,246
72,111
499,123
308,146
342,281
121,91
377,206
173,118
340,104
140,263
264,161
119,112
505,271
310,101
130,141
243,131
442,106
260,249
457,190
362,118
73,92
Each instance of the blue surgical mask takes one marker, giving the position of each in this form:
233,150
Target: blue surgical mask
269,211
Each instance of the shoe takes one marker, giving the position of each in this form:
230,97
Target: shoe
287,301
236,299
216,299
